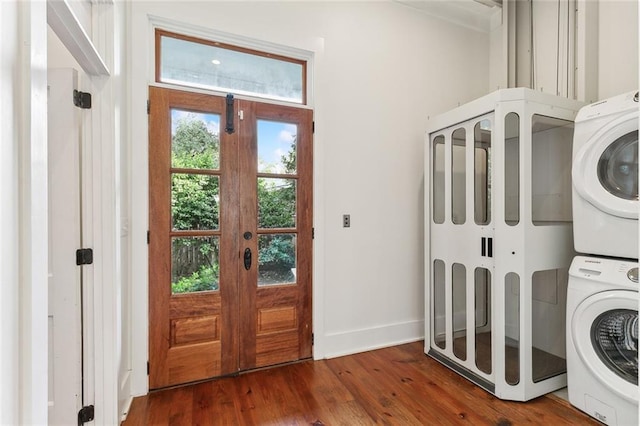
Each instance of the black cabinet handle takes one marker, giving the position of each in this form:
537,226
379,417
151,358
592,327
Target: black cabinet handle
483,247
490,247
247,259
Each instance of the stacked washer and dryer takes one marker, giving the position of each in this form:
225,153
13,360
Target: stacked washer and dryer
602,295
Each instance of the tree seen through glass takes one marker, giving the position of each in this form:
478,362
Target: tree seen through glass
195,198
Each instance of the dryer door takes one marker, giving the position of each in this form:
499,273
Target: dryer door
605,333
605,169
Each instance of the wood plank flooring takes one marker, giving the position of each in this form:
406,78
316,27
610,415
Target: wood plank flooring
391,386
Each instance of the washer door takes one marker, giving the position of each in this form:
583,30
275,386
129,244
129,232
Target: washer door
604,329
605,168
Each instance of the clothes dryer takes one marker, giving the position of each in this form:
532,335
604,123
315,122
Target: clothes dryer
602,339
605,178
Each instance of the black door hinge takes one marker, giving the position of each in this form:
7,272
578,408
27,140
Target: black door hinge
313,338
148,107
148,237
313,127
313,233
84,256
86,414
148,368
82,99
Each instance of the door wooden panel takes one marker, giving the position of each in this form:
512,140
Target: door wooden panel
265,338
192,336
241,323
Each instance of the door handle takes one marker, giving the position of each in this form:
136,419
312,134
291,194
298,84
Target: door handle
247,259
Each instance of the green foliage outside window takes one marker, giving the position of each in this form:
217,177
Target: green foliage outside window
195,206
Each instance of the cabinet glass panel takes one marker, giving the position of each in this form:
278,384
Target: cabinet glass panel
438,179
439,314
548,311
551,152
482,172
458,177
482,279
459,311
512,328
512,169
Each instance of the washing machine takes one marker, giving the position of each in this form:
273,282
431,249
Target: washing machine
602,339
605,178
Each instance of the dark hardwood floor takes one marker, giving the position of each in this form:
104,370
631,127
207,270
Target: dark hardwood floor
394,386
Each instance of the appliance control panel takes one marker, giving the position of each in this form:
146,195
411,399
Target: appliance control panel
605,270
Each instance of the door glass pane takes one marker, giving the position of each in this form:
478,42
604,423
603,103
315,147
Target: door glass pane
195,202
548,318
615,337
483,319
512,169
276,259
195,140
458,177
215,66
618,167
276,203
482,176
512,328
277,147
551,154
438,179
439,315
194,264
459,302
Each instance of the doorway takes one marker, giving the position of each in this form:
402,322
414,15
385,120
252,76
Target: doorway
230,235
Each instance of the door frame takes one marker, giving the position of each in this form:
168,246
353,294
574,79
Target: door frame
237,333
95,50
142,28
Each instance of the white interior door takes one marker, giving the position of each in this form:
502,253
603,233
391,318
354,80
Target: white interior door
65,280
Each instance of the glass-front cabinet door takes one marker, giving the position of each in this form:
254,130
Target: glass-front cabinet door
461,249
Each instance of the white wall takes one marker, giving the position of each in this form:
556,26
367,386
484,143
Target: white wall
23,216
380,69
604,50
617,48
9,214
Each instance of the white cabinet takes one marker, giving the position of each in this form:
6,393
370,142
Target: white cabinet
499,240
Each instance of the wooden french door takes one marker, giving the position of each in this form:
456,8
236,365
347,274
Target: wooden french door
230,235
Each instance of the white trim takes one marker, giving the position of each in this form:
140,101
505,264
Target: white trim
367,339
103,229
68,28
191,89
9,213
33,222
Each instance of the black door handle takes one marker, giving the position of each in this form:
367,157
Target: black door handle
247,259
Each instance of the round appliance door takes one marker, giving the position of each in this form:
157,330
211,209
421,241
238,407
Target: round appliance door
605,168
604,330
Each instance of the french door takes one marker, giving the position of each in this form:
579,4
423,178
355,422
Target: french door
230,235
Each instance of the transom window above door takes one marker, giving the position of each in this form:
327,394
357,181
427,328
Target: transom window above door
211,65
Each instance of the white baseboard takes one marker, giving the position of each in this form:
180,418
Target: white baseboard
124,396
354,341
